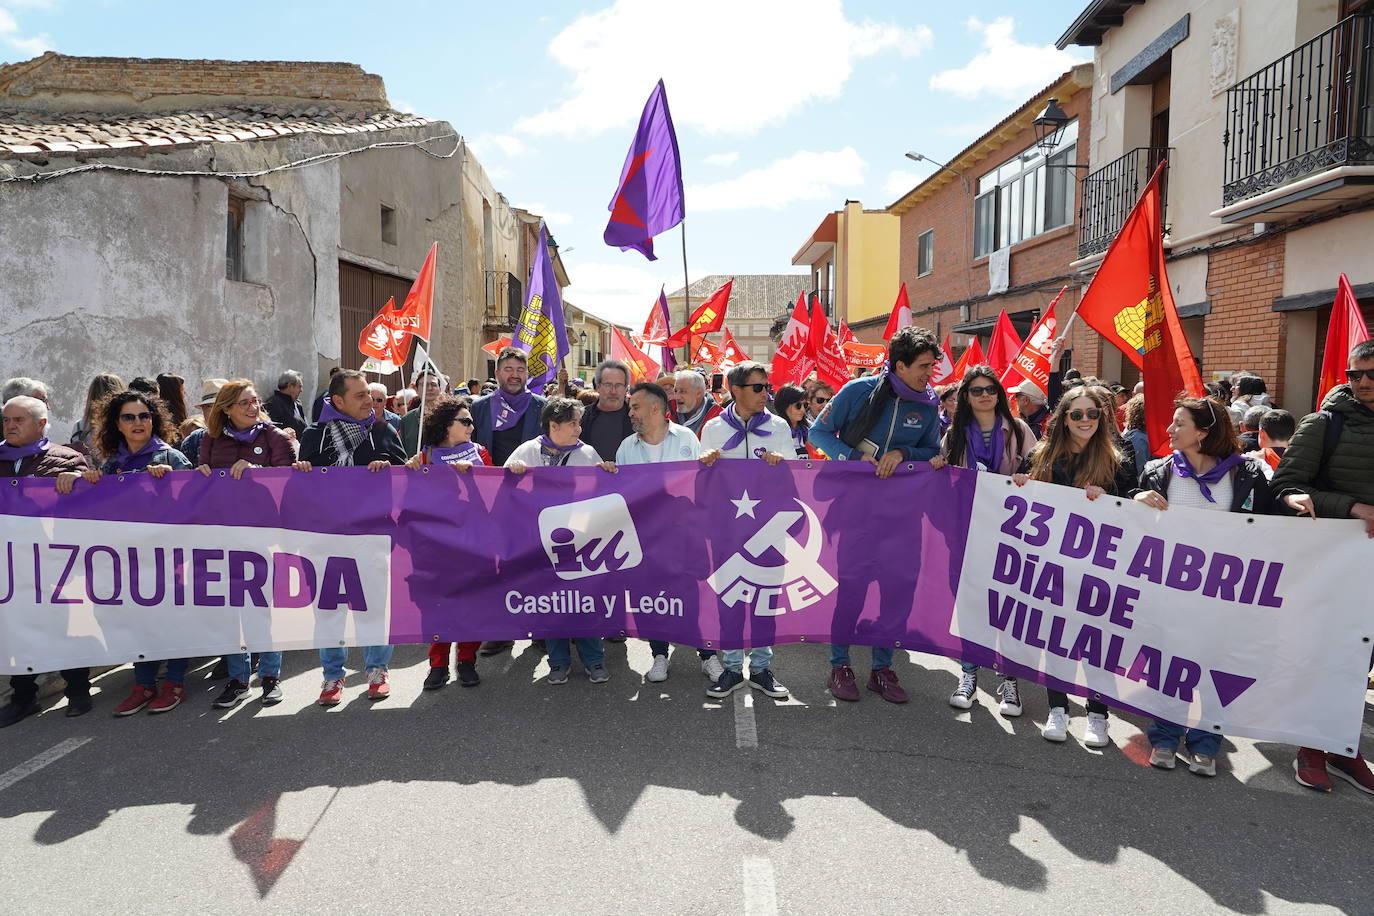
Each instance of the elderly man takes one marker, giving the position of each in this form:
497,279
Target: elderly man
694,408
379,395
606,423
1032,406
430,386
284,406
19,385
26,452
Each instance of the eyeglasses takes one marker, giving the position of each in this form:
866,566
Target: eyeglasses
1354,375
1092,413
379,400
613,386
248,402
819,400
978,391
756,387
143,417
466,421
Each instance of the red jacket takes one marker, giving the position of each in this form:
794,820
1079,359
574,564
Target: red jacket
271,449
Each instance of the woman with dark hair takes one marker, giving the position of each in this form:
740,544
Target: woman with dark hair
818,394
129,439
101,387
1080,450
984,436
144,385
171,388
1205,471
239,436
790,403
949,400
446,438
1134,430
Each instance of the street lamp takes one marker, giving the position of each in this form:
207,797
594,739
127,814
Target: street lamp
918,157
1049,128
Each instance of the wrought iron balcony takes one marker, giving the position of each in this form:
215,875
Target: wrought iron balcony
1306,113
505,298
1108,195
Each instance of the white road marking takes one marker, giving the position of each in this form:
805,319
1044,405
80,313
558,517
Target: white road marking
746,730
760,889
34,764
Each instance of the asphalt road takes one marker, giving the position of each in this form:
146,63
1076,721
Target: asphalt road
518,797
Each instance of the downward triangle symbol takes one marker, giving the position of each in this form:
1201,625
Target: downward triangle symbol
1229,686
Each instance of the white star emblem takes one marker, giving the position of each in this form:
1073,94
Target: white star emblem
744,505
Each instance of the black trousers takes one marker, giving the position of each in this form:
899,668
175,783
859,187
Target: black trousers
26,685
1059,698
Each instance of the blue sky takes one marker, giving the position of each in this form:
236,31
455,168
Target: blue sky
784,108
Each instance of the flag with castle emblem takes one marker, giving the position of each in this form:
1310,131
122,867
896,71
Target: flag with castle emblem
542,333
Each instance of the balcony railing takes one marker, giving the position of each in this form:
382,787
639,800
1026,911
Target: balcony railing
505,298
1305,113
823,295
1109,194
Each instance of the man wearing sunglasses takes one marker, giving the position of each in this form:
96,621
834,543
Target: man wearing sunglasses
1328,472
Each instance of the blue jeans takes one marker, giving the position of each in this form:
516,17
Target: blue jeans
660,647
589,650
1166,734
334,657
839,657
760,657
145,673
241,666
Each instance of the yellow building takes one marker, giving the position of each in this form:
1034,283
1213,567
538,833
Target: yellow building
852,257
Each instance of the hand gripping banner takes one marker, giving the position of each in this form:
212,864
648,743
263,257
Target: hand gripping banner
1220,621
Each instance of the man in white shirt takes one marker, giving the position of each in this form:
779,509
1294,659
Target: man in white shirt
657,440
746,429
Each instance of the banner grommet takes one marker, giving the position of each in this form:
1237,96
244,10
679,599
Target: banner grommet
120,478
221,473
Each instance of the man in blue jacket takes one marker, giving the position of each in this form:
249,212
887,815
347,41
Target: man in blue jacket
883,419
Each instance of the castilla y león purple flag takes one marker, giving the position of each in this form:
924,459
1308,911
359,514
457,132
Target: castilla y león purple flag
1225,623
648,199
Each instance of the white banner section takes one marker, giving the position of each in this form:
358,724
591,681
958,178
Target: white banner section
1235,624
81,592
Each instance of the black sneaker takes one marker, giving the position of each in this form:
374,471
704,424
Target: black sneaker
764,680
12,712
467,674
78,705
436,678
728,682
233,694
271,691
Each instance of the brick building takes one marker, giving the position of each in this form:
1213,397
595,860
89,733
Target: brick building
995,228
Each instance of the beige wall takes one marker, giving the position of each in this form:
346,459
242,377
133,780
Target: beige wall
481,251
867,263
1318,254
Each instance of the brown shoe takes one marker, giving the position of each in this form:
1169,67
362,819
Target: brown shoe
883,681
842,685
1309,769
1353,770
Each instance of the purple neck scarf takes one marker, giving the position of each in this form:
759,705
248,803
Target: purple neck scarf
137,461
907,393
1184,468
507,409
548,445
755,425
246,436
799,435
442,454
989,456
329,413
20,452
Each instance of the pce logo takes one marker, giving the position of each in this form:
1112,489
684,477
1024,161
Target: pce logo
590,537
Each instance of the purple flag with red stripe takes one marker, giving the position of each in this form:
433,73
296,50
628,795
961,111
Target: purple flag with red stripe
648,199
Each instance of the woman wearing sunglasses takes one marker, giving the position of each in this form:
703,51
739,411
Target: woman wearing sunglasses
239,436
790,404
1205,471
818,395
446,438
1079,449
984,436
130,438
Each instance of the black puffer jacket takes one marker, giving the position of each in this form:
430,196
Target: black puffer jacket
1250,490
1349,476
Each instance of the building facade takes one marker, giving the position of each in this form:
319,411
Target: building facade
757,302
852,256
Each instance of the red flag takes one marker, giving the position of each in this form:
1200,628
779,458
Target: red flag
642,368
901,314
708,353
496,346
943,373
655,332
972,356
831,366
792,361
1005,344
865,356
1346,330
708,317
1033,362
731,354
383,341
1130,304
420,300
846,335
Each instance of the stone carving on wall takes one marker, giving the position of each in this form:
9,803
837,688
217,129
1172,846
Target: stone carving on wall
1225,36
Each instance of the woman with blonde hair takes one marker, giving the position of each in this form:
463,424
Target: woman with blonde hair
101,387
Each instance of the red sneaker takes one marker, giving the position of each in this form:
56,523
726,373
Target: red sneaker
139,697
1309,769
377,687
168,698
883,681
331,693
1353,770
841,684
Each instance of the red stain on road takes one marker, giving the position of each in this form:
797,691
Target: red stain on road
1137,750
266,855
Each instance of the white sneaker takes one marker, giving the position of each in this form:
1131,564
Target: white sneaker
1095,735
1056,727
712,668
962,697
658,672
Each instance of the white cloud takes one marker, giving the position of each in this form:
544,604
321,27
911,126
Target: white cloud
761,65
1004,68
9,32
899,181
504,144
555,218
622,293
722,159
802,176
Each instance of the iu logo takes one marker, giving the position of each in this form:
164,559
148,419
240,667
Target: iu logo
773,589
590,537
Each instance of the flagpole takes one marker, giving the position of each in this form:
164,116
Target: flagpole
686,285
